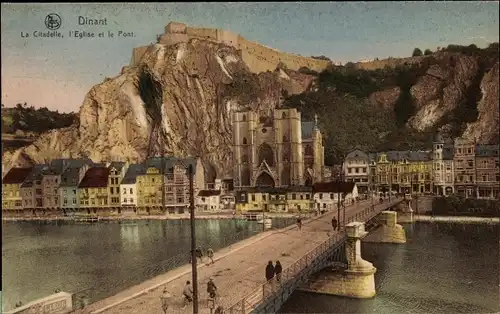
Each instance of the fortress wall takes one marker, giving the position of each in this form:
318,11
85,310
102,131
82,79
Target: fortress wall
392,63
209,33
173,38
137,54
261,58
227,37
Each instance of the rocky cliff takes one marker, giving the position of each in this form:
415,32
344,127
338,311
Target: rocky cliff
200,82
193,86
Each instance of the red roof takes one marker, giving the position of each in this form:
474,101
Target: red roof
333,187
16,175
96,177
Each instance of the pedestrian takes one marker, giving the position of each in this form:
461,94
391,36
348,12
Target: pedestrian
334,224
164,300
299,223
188,293
277,270
199,254
269,270
211,288
210,254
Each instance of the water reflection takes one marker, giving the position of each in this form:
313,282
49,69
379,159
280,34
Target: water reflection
38,258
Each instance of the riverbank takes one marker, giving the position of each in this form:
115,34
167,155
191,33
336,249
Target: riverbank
202,216
407,218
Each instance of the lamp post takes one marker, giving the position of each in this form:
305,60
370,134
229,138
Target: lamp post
194,262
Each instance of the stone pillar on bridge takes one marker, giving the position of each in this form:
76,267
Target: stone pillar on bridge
389,231
357,281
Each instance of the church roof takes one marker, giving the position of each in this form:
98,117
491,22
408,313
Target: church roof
307,129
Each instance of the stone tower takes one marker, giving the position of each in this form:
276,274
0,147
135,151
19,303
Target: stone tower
268,149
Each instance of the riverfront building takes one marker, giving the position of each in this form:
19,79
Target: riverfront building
11,188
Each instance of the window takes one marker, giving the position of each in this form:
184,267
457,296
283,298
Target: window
308,196
294,196
253,197
244,118
349,170
264,197
244,141
357,170
124,191
320,196
130,190
74,201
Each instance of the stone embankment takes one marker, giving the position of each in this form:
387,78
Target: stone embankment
407,218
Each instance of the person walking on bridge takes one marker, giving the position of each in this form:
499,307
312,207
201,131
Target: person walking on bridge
277,270
269,270
188,293
299,223
210,255
335,224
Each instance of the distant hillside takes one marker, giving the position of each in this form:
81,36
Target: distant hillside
22,124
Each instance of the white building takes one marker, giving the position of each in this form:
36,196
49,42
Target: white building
442,166
128,188
209,200
326,194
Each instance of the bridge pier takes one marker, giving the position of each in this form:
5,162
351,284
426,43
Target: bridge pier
389,232
357,281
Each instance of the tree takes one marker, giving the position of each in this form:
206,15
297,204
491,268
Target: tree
417,52
427,52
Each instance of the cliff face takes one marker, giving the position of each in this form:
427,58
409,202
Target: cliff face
201,82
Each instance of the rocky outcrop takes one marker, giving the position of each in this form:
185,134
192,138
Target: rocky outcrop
442,88
486,128
201,83
385,99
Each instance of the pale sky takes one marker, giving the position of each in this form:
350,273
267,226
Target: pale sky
58,72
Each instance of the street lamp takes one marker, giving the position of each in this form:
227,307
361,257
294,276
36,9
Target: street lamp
194,262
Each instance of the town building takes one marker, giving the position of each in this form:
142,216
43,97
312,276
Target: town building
31,190
93,189
150,185
51,178
442,166
208,200
68,188
11,189
356,169
117,170
402,172
176,187
328,195
276,149
299,199
464,161
128,196
487,171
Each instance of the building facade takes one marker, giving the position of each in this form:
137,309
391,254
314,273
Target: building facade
487,171
208,200
402,172
464,161
442,166
68,188
276,149
117,170
128,195
11,188
356,169
31,190
93,189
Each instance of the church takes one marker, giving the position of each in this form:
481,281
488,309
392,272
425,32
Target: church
276,149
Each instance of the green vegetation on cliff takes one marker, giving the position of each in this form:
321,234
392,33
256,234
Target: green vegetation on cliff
340,98
30,120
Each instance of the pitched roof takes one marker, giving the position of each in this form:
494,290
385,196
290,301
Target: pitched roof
36,174
95,177
16,175
57,166
485,150
168,163
207,193
333,187
118,165
307,128
132,172
395,155
356,154
70,177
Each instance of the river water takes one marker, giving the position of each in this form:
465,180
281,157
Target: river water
443,268
105,258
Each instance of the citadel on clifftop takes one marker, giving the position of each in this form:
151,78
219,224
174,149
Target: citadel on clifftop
259,58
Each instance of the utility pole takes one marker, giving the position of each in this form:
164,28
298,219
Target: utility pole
194,262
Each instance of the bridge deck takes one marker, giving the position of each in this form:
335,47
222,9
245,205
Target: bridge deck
237,275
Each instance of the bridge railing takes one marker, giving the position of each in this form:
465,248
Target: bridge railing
291,273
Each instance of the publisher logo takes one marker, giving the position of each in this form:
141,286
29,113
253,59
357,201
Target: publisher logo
53,21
